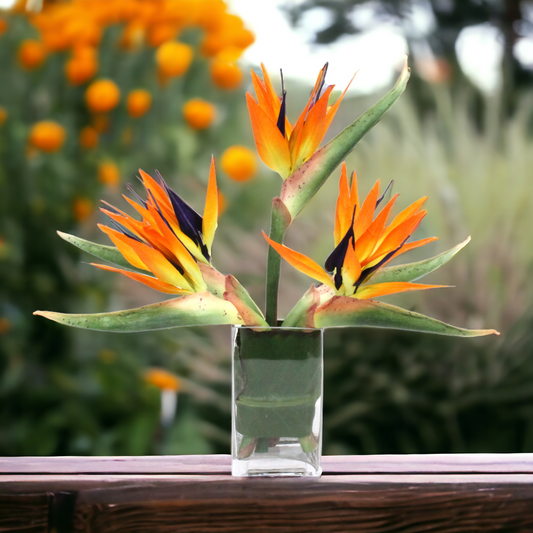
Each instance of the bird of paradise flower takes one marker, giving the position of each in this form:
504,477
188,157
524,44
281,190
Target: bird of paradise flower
170,248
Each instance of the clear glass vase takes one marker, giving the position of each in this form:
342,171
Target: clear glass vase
277,401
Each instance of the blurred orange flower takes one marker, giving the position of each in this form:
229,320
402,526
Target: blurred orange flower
108,174
132,36
160,33
47,136
31,54
88,137
3,115
239,163
82,208
3,26
5,325
101,122
173,58
162,379
198,113
226,74
82,66
139,102
102,96
222,203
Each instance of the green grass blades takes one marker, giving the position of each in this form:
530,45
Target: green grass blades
414,271
200,309
343,311
299,188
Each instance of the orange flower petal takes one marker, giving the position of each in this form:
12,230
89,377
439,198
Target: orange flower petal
364,218
264,98
354,195
268,85
344,210
413,209
301,262
398,235
209,224
135,226
366,244
382,289
407,247
160,266
153,283
123,244
351,269
268,99
167,240
157,191
313,130
334,108
271,145
140,209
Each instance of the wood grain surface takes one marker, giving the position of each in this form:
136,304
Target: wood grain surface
448,493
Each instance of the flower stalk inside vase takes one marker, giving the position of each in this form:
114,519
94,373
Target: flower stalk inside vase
277,400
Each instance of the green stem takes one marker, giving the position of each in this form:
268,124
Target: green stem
278,226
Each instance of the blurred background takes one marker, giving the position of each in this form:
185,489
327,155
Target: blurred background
92,90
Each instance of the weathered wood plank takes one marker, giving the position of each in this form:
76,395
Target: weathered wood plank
370,503
27,513
374,494
213,464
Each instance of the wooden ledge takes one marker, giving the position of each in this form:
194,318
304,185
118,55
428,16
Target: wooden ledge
393,493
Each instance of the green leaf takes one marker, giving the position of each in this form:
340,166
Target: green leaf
414,271
239,297
200,309
106,253
342,311
299,188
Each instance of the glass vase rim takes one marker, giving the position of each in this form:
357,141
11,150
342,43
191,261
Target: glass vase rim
277,328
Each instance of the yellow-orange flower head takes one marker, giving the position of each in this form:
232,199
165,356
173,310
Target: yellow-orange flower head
109,174
82,66
239,163
199,114
47,136
88,138
162,379
226,74
102,96
82,208
173,58
31,54
138,103
3,115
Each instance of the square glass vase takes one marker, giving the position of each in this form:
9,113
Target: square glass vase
277,391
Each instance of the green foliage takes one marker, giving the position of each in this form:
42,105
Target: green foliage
66,391
62,391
